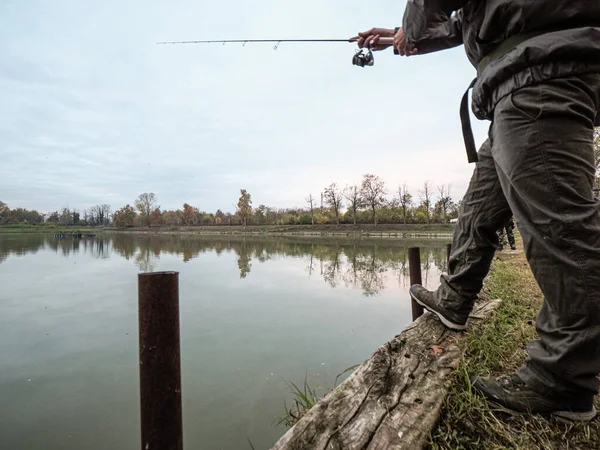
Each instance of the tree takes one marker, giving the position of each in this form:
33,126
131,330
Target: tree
98,215
219,217
404,200
4,212
66,217
311,204
445,200
156,216
244,206
259,214
105,210
145,204
355,200
373,192
189,215
53,217
425,196
333,198
124,217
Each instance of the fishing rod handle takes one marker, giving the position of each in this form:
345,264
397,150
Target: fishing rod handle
385,41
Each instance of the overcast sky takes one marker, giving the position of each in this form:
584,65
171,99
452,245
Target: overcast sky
93,111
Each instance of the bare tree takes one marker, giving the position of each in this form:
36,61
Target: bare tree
333,198
311,202
94,215
426,200
66,216
355,200
105,209
405,200
373,193
445,200
98,215
145,204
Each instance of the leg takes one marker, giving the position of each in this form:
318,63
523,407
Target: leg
511,237
501,233
542,144
483,211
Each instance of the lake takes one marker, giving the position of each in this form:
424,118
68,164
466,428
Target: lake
256,314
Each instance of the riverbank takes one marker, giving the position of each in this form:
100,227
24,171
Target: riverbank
495,348
343,230
48,229
498,348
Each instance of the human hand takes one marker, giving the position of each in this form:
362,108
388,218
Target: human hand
370,38
403,47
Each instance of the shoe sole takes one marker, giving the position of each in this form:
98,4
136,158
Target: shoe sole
567,417
448,323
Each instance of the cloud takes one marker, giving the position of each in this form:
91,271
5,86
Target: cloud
95,112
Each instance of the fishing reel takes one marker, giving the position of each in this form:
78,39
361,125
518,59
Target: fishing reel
363,57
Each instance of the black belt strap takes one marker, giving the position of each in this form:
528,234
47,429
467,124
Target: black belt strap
465,121
501,50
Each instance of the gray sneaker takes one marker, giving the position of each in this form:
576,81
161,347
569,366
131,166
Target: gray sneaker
452,312
514,396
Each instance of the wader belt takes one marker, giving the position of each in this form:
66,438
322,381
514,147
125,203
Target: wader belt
465,120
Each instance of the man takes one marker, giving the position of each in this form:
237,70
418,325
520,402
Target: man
507,230
538,82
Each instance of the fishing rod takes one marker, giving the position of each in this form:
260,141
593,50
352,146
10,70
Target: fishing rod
363,57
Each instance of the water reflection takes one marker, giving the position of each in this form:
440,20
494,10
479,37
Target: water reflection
362,264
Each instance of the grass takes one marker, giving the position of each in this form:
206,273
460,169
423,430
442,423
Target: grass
305,398
496,348
45,228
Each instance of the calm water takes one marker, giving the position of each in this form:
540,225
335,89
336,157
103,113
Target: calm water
255,313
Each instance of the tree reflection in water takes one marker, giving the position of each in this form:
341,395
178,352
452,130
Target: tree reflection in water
362,264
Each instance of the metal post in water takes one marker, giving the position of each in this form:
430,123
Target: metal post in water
414,266
160,361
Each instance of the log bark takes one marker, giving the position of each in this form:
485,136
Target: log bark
393,400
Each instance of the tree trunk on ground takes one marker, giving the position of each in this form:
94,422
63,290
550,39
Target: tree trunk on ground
393,400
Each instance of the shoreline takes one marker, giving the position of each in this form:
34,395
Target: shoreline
385,231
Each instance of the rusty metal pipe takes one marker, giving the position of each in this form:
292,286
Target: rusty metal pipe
414,265
160,361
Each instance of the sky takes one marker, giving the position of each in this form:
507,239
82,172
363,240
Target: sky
94,111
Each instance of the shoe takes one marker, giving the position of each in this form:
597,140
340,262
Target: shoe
512,247
514,396
453,318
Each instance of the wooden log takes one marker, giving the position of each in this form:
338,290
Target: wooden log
393,400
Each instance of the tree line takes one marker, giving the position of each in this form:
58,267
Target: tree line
370,201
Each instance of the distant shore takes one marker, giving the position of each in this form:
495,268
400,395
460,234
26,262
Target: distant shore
343,230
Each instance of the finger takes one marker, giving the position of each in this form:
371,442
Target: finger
373,41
